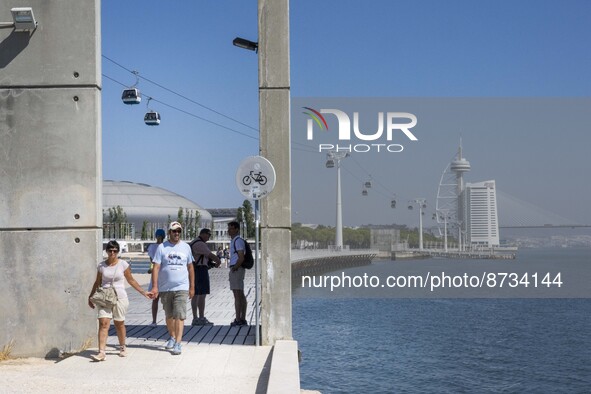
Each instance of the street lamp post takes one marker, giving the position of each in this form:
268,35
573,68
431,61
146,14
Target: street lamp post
337,156
422,203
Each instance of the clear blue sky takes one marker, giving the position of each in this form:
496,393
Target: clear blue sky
358,50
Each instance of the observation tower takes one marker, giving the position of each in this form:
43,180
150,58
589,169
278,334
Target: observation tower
450,205
459,166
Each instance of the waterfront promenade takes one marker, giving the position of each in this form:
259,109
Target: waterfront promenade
215,359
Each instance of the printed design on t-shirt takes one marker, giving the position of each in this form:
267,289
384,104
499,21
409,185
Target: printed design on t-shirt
176,258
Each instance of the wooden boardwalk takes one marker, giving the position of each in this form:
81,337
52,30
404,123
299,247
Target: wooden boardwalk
219,309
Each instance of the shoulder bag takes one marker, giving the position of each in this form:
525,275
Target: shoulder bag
105,297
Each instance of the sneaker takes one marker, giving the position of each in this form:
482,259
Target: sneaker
177,349
170,344
154,324
99,357
195,322
243,323
234,323
122,351
204,322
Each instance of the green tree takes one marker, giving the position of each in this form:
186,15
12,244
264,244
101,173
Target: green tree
323,236
144,230
248,216
115,224
239,215
192,223
179,216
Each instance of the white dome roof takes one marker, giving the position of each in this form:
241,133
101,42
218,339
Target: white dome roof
144,202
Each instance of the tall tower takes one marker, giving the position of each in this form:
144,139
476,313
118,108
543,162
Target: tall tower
459,166
482,222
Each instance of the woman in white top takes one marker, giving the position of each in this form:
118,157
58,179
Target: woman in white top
113,272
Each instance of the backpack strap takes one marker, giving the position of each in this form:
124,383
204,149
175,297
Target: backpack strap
191,245
235,251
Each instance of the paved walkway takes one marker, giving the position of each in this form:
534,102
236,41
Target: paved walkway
215,359
219,309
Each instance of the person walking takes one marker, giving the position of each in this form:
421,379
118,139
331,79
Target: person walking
226,257
113,272
220,254
173,278
236,275
202,256
160,235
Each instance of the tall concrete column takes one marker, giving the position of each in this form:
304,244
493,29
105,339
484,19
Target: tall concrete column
50,177
274,114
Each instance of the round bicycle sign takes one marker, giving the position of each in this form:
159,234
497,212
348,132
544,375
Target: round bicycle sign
255,177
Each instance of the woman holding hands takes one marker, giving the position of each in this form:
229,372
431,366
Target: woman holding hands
113,272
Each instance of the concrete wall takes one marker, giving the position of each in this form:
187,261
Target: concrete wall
384,240
50,183
274,112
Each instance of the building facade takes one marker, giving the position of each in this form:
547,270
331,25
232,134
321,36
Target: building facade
480,213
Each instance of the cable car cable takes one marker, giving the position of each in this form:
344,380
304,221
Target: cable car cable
212,122
179,94
191,114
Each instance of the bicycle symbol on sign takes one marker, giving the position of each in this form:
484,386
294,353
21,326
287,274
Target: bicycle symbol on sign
258,178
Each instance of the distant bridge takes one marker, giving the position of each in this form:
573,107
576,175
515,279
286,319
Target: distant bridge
550,226
516,213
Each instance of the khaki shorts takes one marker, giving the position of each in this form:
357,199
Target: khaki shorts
116,313
174,304
237,279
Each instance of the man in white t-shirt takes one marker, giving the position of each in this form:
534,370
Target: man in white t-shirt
173,279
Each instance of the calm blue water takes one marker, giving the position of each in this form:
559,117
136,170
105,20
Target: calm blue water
378,345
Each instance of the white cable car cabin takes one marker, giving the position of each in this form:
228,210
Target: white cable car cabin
131,96
152,118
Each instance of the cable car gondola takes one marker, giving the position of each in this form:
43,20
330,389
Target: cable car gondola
131,96
393,204
364,192
152,118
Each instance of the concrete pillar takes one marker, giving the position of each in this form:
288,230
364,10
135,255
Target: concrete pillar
274,114
50,177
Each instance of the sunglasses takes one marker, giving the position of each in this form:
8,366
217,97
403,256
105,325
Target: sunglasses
113,251
177,231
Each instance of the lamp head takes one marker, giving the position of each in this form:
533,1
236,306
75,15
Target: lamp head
246,44
23,18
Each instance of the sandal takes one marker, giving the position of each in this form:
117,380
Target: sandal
100,356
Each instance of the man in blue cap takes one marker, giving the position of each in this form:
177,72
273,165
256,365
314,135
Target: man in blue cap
160,234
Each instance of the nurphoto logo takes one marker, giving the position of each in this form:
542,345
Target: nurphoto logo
393,123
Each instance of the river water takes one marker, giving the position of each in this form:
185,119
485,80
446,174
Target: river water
445,345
